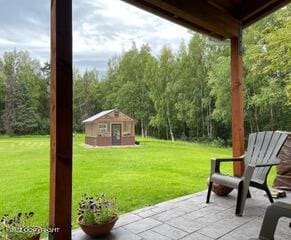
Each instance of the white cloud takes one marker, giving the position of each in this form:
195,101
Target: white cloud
102,29
6,42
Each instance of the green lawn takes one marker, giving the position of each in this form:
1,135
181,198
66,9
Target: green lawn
153,172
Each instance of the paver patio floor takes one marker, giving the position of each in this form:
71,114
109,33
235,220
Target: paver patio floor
190,218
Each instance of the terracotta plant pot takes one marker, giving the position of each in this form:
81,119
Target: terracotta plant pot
219,189
96,230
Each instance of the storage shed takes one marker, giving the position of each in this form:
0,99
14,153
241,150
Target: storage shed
109,128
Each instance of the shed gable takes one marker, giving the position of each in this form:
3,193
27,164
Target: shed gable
114,117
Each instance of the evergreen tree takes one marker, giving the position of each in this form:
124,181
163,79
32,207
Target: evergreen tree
26,119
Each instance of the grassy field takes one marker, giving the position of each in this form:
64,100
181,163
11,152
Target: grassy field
153,172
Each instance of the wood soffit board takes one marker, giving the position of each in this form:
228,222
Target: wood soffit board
220,19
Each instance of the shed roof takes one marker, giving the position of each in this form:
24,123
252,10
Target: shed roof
98,115
102,114
220,19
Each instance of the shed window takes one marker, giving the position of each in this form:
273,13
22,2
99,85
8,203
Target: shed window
103,127
116,114
127,128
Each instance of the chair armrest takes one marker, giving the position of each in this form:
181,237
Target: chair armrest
234,159
267,164
284,206
215,162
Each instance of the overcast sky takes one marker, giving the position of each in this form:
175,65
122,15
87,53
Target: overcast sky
102,29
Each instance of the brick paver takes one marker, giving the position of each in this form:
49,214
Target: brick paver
189,218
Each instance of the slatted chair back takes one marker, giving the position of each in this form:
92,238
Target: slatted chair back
263,148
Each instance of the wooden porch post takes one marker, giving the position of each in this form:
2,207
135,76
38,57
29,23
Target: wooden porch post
61,119
237,108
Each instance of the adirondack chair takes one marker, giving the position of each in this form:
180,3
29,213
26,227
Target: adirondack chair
262,151
273,214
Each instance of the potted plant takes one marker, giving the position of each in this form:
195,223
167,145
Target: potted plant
97,215
18,227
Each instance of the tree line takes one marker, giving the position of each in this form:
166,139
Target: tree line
175,95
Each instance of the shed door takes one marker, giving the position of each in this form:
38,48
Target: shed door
116,134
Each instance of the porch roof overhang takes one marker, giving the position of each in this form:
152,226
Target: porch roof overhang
220,19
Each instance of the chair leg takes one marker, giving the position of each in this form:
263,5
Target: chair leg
241,200
238,200
249,194
269,194
209,192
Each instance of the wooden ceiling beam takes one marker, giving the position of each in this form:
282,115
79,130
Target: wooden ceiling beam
197,15
211,17
203,14
252,11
